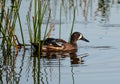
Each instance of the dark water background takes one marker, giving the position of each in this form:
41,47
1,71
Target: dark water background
101,66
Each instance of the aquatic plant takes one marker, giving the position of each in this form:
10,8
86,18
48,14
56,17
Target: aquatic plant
8,21
60,21
73,22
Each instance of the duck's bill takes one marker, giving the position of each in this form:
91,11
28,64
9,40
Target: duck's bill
84,39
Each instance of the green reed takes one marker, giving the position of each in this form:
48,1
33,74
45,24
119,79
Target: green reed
29,21
73,22
21,30
18,16
39,12
8,22
40,7
60,21
45,33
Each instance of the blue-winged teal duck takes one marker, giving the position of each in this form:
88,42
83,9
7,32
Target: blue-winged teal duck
58,45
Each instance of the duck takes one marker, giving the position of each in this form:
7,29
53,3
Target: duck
60,45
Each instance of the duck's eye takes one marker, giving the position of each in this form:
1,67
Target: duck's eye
80,36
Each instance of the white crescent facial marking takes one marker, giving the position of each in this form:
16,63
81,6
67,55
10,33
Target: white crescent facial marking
80,36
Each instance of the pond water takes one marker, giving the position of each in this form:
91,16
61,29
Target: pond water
101,66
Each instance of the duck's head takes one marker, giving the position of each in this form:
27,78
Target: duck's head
77,36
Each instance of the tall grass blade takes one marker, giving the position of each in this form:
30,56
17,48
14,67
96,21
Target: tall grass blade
17,5
35,20
60,21
29,22
45,34
73,22
21,29
41,20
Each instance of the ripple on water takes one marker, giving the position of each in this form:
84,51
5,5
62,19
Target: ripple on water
99,47
103,47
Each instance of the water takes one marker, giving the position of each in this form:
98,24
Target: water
101,66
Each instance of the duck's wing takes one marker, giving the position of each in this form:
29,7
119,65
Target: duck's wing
51,44
61,40
54,42
49,41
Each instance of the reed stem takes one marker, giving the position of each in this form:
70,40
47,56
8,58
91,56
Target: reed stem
45,34
73,22
21,29
60,21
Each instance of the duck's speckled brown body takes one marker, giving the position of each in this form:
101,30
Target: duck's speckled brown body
59,45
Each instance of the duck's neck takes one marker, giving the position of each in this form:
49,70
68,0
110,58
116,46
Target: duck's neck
73,40
74,43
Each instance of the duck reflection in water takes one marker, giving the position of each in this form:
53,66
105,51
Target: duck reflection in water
74,58
77,60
